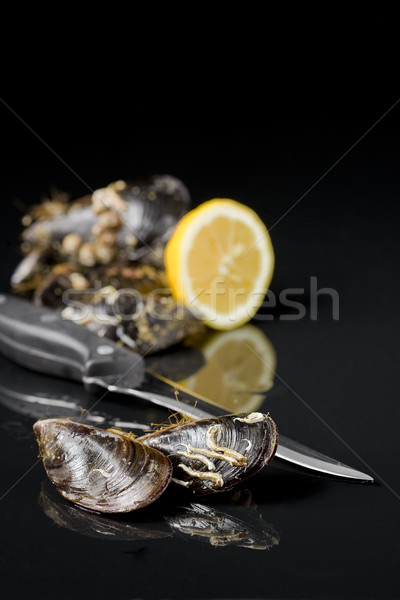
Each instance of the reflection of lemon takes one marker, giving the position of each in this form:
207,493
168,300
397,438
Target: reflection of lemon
239,363
220,261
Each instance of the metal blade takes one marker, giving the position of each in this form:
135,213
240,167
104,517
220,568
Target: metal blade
303,456
164,392
38,338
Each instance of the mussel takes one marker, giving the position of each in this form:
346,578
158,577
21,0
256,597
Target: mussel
214,455
101,470
145,323
118,224
99,260
123,216
113,471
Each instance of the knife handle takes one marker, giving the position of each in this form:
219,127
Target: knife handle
41,340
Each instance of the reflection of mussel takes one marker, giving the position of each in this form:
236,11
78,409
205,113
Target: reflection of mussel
204,522
90,524
239,526
239,368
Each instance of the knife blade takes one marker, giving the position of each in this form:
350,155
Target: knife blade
40,339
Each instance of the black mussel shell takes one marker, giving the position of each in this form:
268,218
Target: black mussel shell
100,470
214,455
155,205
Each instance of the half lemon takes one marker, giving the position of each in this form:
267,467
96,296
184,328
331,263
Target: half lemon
219,262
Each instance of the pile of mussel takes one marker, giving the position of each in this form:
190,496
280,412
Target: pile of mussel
100,260
110,471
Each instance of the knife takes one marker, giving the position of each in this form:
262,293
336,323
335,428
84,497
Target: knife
40,339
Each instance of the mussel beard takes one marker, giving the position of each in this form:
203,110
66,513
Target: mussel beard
100,470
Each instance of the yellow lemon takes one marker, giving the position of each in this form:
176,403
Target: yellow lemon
219,262
239,366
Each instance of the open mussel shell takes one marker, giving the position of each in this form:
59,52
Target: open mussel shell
100,470
216,454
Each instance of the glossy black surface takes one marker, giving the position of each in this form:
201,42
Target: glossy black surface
337,385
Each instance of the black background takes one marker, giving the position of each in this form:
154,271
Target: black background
265,145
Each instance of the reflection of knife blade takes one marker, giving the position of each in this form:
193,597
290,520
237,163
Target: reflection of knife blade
38,338
37,397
